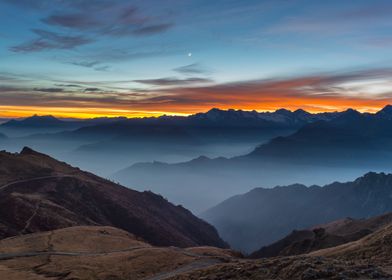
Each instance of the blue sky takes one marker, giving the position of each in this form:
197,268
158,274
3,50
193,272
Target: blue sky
77,57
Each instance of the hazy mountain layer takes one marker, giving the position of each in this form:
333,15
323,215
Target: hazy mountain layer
262,216
343,148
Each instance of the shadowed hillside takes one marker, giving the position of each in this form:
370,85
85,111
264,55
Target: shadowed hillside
262,216
323,236
41,193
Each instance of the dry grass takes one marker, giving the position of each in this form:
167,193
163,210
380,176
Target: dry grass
107,253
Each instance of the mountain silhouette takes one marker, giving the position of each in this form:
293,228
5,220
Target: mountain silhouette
344,147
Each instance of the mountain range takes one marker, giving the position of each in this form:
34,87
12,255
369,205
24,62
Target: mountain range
343,147
121,141
64,223
262,216
48,124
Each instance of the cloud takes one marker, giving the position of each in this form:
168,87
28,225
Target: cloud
120,55
87,19
87,64
50,40
96,65
173,81
152,29
362,89
68,85
49,90
91,89
116,20
194,68
73,21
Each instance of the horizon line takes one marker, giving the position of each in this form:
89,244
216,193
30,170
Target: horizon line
154,114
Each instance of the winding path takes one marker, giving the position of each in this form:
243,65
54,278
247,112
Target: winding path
33,179
202,262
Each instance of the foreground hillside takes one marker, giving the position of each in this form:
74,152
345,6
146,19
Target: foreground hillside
367,258
81,253
98,253
39,193
262,216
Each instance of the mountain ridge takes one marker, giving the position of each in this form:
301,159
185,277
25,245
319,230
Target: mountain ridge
43,194
248,216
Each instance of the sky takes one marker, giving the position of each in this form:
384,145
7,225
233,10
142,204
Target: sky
92,58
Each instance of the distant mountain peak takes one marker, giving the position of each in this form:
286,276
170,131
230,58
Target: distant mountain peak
372,177
302,112
283,111
350,114
35,121
35,116
351,111
387,108
214,110
385,112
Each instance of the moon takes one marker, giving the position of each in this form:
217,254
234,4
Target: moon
190,54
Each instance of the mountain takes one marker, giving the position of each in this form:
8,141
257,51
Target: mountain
96,252
343,147
39,193
323,236
35,121
351,137
263,216
122,142
48,124
385,113
366,258
92,252
281,117
35,124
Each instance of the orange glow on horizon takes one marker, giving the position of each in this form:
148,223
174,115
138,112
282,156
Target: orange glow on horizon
312,106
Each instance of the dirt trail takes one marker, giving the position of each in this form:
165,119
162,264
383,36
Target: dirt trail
198,264
28,222
33,179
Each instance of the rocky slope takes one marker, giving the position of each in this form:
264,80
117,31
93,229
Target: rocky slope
39,193
108,253
263,216
323,236
367,258
98,253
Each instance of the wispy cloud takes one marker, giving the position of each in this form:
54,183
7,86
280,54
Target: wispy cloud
50,40
87,20
88,64
96,65
152,29
173,81
49,89
191,69
361,89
